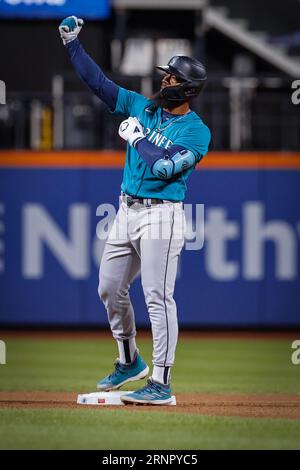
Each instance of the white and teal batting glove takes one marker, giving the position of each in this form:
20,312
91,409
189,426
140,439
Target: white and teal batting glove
69,28
131,130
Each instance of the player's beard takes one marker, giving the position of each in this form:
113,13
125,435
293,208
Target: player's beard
162,102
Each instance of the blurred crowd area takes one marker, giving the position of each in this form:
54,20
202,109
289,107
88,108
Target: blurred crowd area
252,60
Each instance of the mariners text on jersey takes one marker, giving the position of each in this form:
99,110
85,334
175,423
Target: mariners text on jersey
186,130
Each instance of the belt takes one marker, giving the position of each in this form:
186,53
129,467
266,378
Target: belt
147,202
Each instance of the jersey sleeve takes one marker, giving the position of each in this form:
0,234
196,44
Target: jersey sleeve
196,139
129,103
92,75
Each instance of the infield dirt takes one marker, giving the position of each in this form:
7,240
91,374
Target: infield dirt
242,405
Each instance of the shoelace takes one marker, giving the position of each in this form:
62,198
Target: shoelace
149,387
118,369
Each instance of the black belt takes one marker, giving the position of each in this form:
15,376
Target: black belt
130,200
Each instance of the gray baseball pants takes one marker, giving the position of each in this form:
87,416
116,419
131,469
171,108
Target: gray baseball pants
146,240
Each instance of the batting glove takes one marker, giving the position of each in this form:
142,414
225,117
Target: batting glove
131,130
69,28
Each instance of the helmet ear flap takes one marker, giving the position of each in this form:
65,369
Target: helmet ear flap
174,93
183,91
192,90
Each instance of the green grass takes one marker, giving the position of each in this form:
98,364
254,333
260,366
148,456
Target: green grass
245,366
202,365
120,429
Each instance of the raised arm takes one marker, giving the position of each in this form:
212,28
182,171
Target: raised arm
86,68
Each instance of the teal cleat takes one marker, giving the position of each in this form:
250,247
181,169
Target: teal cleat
153,393
124,373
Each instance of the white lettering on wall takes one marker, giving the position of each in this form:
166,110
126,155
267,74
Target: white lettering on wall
40,231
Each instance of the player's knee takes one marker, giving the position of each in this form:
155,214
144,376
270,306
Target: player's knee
152,293
105,290
154,300
158,299
110,294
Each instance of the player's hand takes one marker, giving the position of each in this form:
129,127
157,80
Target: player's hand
69,28
131,130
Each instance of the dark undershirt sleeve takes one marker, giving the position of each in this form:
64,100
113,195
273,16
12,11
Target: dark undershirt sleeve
150,152
92,75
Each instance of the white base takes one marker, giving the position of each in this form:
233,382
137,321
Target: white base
107,398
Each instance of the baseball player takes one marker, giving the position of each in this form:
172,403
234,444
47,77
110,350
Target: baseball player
165,141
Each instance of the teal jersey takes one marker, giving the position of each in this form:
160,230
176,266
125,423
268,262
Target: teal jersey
187,130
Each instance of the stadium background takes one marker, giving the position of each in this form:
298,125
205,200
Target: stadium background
61,158
60,172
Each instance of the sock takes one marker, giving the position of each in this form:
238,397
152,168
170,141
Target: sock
161,374
127,349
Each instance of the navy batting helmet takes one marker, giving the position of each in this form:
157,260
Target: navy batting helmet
192,74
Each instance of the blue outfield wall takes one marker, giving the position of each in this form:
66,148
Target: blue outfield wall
247,273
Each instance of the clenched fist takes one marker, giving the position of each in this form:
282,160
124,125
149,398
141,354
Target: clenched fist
69,28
